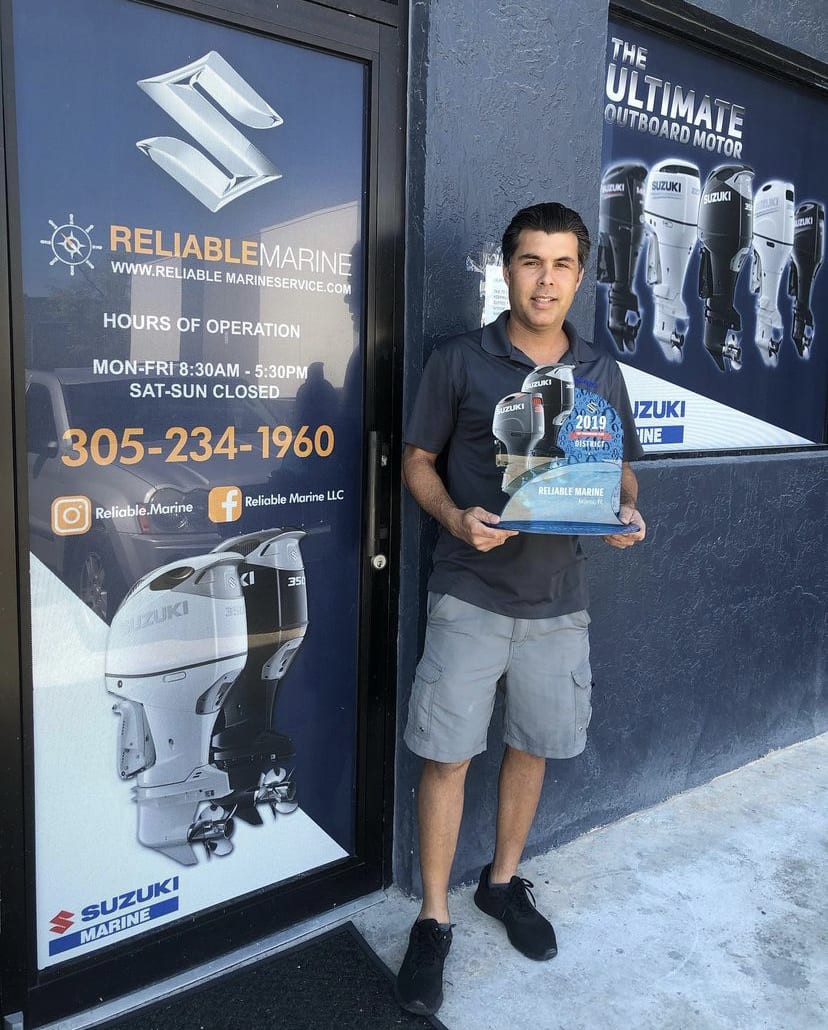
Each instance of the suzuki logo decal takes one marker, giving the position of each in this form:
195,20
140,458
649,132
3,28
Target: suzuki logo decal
186,95
61,922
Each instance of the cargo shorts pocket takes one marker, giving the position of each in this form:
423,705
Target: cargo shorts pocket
421,704
582,679
434,603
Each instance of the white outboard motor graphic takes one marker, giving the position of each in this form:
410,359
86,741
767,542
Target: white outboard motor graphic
808,253
621,233
671,215
196,654
246,744
773,237
176,645
725,233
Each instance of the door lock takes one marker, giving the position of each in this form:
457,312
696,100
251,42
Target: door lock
379,561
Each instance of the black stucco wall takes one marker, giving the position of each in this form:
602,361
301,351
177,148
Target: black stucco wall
709,640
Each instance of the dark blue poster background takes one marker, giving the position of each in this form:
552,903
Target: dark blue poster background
782,136
192,375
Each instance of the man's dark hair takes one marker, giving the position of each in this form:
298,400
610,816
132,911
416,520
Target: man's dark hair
546,218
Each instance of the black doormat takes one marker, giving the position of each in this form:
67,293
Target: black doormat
331,982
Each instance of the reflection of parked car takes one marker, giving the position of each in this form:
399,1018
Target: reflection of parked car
145,525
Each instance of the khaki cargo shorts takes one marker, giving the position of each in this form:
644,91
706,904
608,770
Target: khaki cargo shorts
548,682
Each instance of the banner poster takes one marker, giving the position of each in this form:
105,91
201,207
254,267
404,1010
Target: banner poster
191,238
711,241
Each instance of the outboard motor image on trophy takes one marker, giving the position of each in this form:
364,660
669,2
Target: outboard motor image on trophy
773,235
725,233
671,214
621,233
175,647
245,744
561,449
806,261
518,424
526,425
555,384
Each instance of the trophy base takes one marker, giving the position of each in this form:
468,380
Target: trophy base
570,528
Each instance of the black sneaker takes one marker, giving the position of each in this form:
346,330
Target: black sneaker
419,986
514,905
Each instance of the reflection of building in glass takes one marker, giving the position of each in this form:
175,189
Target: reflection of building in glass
312,258
160,296
300,293
285,298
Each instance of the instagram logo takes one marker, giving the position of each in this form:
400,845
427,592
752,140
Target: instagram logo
71,516
224,504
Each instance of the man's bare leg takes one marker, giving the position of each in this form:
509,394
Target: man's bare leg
439,810
521,780
519,791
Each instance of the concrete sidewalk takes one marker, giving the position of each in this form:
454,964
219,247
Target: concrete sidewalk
707,911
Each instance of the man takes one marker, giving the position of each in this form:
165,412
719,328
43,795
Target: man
501,603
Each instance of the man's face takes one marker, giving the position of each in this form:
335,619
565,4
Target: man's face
543,278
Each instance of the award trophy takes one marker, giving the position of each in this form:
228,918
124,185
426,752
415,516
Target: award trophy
561,449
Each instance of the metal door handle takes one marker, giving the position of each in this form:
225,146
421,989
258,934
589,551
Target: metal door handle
377,460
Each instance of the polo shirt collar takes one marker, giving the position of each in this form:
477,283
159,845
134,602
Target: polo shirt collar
496,341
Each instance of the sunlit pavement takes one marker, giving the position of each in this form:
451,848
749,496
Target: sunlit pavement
707,911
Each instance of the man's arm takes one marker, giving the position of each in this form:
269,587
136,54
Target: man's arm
629,511
474,525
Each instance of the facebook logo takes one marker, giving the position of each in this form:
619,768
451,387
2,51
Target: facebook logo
224,504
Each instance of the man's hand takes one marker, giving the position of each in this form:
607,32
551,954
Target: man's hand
478,527
628,514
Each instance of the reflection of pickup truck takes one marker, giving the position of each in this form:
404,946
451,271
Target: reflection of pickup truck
138,507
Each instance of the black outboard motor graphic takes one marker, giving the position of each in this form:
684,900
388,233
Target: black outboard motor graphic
245,744
517,425
725,234
671,215
556,386
526,425
806,261
621,230
175,647
773,232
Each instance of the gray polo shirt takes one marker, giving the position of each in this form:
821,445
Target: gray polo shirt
532,575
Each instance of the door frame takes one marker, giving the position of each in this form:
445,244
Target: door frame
374,33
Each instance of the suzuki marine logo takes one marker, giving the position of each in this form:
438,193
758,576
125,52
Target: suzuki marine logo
196,96
61,922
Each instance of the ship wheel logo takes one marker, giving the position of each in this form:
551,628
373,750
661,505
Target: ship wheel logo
71,245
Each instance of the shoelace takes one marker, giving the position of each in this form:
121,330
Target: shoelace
429,945
521,898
